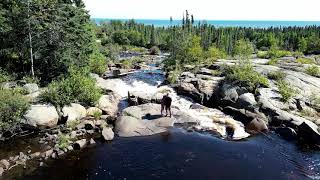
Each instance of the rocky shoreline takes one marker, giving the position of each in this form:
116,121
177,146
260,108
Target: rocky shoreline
215,105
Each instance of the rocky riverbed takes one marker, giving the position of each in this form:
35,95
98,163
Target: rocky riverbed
203,102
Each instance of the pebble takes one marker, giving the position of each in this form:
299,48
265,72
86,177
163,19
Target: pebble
41,164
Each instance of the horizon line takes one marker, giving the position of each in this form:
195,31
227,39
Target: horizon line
205,19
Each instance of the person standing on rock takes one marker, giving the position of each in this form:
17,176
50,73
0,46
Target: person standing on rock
166,104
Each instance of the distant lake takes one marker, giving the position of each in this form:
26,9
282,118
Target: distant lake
222,23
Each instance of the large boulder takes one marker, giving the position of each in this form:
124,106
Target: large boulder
189,90
42,115
31,88
109,103
309,132
74,112
142,120
107,133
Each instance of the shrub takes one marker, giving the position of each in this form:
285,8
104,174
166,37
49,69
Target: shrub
154,50
98,63
5,77
275,53
127,64
173,76
313,71
305,61
30,79
286,91
246,76
277,75
214,54
63,141
78,87
12,108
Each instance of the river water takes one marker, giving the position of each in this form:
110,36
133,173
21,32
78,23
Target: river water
180,154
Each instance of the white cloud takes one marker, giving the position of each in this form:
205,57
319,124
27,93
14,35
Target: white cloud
206,9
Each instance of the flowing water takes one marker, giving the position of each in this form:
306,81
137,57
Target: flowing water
179,154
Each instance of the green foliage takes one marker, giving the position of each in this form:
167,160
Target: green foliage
214,54
98,63
78,87
305,61
97,115
154,50
63,141
12,108
246,76
277,75
112,51
62,36
313,70
263,54
243,49
274,53
73,124
273,62
30,79
5,77
194,50
286,91
173,76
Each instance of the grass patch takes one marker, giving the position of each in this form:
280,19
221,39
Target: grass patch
273,62
287,92
305,61
173,76
97,115
263,54
73,124
277,75
313,71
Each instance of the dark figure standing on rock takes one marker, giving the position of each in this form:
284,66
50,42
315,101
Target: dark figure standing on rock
166,104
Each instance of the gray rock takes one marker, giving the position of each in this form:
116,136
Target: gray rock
256,126
92,141
42,116
229,93
309,132
205,71
247,101
4,164
80,144
35,155
31,88
74,112
187,74
107,133
142,120
1,171
109,103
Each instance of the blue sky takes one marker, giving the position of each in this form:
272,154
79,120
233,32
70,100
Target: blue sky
206,9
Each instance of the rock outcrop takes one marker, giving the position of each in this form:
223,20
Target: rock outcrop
42,115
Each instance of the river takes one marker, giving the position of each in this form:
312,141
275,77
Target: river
181,154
